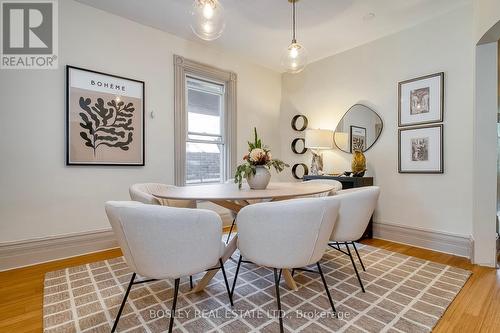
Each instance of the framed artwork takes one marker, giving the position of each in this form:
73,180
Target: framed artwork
357,138
421,100
104,119
421,149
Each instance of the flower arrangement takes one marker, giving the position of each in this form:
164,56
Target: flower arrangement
258,156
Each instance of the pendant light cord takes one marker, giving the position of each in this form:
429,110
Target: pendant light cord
293,22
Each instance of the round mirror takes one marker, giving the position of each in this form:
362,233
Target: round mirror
358,129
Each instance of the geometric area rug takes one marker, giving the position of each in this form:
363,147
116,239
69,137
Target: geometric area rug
403,294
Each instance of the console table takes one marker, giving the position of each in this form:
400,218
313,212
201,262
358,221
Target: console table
350,182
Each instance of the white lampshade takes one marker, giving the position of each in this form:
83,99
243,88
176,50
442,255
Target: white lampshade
319,139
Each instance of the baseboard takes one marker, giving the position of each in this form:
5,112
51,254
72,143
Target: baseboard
35,251
428,239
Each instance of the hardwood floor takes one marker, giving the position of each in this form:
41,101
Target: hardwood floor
476,308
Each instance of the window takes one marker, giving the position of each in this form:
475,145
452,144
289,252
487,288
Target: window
205,123
205,143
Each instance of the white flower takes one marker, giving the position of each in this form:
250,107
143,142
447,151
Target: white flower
257,155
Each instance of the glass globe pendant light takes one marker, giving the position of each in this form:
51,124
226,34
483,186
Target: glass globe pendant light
294,58
207,19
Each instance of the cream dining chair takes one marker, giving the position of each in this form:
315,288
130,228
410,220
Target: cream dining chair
143,192
148,236
291,234
337,186
357,207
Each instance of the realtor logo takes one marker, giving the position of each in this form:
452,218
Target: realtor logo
29,34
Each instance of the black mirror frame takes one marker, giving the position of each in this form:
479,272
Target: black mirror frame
374,142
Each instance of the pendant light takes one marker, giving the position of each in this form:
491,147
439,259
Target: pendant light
207,19
294,58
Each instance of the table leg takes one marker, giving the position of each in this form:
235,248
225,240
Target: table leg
290,282
205,280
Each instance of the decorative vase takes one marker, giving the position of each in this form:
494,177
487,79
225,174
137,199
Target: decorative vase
358,164
261,179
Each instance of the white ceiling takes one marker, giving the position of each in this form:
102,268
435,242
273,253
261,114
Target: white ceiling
259,30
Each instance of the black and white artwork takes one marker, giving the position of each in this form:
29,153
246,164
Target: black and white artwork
421,100
357,138
421,149
105,119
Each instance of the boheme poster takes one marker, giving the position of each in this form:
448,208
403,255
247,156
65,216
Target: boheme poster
105,119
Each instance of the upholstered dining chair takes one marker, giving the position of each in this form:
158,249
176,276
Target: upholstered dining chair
337,186
290,234
149,238
357,206
234,214
143,192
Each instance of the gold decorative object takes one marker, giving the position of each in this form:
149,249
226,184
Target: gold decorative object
358,164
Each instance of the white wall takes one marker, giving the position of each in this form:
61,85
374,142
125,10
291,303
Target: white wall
39,195
485,157
486,16
486,35
369,74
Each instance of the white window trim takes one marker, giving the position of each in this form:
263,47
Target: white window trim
184,67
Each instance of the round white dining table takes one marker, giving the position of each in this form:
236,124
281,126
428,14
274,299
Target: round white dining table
229,196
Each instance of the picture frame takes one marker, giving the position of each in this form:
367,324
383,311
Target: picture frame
420,149
421,100
357,138
105,119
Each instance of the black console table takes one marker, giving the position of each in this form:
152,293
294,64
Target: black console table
350,182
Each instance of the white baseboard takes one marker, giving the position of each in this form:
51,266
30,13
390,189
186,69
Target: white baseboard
433,240
35,251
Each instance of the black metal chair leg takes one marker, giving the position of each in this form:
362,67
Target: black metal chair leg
326,287
359,257
277,284
230,230
123,303
355,268
293,272
236,275
191,281
174,304
225,281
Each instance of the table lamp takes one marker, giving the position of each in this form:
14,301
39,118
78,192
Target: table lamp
317,140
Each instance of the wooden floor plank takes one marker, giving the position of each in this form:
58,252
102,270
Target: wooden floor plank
475,309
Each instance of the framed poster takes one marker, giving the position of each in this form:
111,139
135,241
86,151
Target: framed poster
104,119
421,100
357,138
421,149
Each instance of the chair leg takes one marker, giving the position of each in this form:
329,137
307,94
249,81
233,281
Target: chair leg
225,281
236,275
191,281
355,268
230,230
293,272
277,284
123,303
326,287
359,257
172,312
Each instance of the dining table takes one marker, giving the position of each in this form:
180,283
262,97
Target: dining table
230,196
